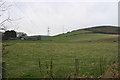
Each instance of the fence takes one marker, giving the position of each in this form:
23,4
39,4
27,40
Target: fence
4,73
50,69
77,70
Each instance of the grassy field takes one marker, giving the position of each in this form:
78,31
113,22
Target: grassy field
23,57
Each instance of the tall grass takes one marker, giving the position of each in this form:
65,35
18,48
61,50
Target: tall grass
76,74
23,58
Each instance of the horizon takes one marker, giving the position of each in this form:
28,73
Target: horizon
76,30
69,31
61,17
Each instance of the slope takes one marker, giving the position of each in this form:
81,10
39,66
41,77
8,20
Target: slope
100,33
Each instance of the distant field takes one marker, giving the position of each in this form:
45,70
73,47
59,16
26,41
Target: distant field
23,57
82,35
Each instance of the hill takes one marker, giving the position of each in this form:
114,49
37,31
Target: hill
105,29
99,33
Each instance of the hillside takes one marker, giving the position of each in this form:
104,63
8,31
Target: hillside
105,29
100,33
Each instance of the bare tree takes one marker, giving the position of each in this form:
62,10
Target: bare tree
4,15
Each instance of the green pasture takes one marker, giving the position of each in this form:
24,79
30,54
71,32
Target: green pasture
23,57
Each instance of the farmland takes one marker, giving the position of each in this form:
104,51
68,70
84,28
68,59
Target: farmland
92,49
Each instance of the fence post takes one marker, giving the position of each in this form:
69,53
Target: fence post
51,68
47,66
4,75
101,71
76,68
40,69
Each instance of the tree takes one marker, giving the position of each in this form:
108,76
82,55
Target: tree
38,37
9,35
4,15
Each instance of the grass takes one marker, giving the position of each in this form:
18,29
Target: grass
23,58
78,36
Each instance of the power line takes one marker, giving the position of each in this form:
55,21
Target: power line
63,29
48,31
28,18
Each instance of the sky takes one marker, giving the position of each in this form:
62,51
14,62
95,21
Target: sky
61,16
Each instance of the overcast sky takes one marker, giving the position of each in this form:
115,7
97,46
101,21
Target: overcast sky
62,15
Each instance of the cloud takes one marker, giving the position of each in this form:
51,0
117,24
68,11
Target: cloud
37,16
64,0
